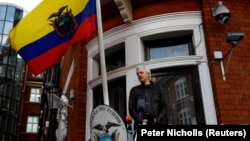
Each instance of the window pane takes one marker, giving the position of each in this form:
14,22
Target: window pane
1,27
38,98
8,90
34,91
117,95
32,98
4,39
34,128
1,49
116,59
11,124
18,16
180,87
13,106
32,124
35,95
10,13
30,119
7,27
3,121
179,45
29,128
165,52
2,12
35,120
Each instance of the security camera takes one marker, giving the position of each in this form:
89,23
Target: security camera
221,13
234,37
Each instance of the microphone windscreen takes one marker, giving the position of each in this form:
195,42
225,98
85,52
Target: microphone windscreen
140,104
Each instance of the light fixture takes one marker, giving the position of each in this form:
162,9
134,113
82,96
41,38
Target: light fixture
234,37
221,13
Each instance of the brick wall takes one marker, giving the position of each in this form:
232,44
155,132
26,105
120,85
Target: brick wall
232,97
77,115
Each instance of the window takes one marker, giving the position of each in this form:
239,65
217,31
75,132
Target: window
180,45
2,12
32,124
35,95
1,27
18,16
181,88
181,92
4,41
185,116
7,27
114,58
117,95
10,13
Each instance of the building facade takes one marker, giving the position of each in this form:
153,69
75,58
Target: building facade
20,90
204,76
30,107
177,40
11,74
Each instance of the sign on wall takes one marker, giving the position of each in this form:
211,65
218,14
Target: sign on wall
107,125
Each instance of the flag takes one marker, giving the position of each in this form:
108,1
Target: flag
43,36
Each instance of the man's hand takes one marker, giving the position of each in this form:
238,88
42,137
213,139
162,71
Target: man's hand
145,122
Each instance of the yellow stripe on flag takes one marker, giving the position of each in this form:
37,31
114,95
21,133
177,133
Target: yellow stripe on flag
36,25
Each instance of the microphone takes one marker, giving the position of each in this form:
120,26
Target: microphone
141,108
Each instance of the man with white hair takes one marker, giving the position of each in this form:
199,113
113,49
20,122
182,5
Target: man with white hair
146,106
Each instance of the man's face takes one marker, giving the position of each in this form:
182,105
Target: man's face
142,75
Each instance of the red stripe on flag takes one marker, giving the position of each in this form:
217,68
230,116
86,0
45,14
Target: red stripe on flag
47,59
52,56
85,29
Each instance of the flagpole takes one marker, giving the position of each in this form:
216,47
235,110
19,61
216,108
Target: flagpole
102,53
